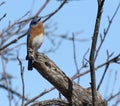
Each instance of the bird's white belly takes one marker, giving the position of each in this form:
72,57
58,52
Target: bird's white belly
37,41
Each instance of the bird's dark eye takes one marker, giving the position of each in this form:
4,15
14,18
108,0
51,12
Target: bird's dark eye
33,23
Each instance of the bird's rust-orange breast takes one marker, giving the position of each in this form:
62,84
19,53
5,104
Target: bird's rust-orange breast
35,31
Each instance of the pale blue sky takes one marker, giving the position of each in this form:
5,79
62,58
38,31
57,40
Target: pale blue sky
77,15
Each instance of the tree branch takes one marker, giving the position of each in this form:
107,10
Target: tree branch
22,79
92,53
3,16
13,92
50,15
43,6
36,97
75,94
106,30
53,102
13,41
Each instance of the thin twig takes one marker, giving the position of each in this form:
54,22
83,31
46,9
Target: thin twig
116,11
106,30
50,15
2,3
113,96
75,58
13,41
22,78
24,15
43,6
84,65
38,96
113,60
114,83
106,67
13,92
3,16
6,81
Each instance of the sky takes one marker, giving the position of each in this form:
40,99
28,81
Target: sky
75,16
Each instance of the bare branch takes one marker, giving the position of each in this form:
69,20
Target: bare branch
114,83
22,78
93,49
116,11
84,65
13,92
43,6
103,76
38,96
74,55
13,41
2,3
50,15
113,96
113,60
7,82
106,31
3,16
106,67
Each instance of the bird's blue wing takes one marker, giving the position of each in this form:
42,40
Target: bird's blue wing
28,36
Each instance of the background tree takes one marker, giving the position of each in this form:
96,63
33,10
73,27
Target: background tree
94,61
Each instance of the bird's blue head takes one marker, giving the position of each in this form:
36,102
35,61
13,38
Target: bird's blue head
35,20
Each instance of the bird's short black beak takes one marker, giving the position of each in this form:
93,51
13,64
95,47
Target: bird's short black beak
39,18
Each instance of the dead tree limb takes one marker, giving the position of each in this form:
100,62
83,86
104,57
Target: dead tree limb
75,94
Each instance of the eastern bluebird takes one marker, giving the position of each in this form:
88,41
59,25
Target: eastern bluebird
34,38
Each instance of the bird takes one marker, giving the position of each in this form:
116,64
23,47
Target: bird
35,38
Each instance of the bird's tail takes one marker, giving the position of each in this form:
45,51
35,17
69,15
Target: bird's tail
27,57
30,65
